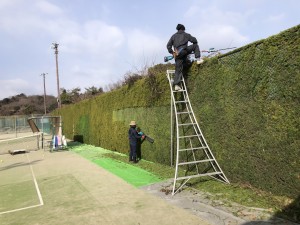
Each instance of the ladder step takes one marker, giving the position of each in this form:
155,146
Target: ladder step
189,136
178,113
198,175
195,162
186,124
181,101
170,71
189,149
182,90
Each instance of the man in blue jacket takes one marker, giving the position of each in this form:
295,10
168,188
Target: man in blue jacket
134,137
178,47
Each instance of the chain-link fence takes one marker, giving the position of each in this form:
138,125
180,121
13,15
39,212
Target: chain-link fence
14,126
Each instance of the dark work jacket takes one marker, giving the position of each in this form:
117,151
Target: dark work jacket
180,41
133,136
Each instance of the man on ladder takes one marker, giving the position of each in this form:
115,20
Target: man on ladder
178,47
193,154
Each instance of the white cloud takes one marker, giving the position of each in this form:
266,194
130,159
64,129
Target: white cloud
220,36
26,17
44,18
213,15
87,77
276,18
94,37
143,45
192,11
87,50
99,42
14,87
216,27
48,8
5,3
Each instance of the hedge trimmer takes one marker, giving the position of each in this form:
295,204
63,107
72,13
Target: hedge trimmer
146,137
212,51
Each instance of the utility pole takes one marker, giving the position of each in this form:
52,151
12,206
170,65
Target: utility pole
55,47
44,74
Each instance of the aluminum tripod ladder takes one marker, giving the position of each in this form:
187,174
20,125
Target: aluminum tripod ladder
193,154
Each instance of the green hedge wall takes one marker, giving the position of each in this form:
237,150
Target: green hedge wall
246,103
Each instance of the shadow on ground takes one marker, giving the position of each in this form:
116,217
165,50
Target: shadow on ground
20,164
291,212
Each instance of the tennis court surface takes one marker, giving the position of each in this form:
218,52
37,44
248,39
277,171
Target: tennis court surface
40,188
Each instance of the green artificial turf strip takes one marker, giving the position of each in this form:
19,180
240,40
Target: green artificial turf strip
131,174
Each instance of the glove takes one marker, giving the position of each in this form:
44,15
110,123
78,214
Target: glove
174,54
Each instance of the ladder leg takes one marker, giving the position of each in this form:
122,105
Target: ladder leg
190,136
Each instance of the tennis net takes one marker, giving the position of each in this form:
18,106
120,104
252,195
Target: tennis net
27,143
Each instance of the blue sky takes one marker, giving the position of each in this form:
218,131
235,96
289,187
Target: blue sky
101,40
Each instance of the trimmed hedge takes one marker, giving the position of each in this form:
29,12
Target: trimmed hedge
246,103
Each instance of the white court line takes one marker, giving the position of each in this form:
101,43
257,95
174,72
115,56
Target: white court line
37,190
35,183
15,210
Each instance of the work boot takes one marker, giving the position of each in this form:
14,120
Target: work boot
177,88
199,61
134,160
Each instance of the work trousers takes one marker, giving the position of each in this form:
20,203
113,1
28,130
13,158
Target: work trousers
132,153
181,59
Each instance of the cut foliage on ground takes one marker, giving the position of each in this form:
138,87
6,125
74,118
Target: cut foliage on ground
243,194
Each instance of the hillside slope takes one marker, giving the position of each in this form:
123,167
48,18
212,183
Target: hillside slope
26,105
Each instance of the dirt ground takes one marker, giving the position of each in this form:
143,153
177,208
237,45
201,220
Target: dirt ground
76,191
216,212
